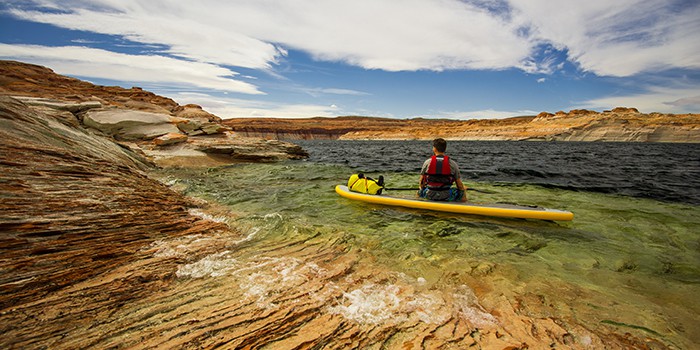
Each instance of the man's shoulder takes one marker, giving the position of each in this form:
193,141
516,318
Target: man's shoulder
425,166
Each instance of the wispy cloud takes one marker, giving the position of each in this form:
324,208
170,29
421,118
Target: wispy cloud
192,42
225,107
333,91
656,99
618,38
200,32
97,63
482,114
373,34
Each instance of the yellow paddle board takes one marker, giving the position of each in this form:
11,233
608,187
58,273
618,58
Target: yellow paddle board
502,210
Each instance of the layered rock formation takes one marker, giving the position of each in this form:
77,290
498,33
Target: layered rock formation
620,124
74,206
157,127
94,253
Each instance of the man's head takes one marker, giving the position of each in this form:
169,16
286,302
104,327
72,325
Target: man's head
440,145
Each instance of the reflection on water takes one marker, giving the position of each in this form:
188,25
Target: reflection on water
627,264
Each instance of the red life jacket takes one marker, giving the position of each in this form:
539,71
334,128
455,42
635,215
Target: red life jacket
439,173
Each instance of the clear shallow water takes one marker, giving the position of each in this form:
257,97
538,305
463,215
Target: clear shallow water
628,262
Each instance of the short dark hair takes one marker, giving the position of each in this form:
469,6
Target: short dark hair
440,145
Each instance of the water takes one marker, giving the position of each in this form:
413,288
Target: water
669,172
630,260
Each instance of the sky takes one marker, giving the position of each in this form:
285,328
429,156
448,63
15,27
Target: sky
457,59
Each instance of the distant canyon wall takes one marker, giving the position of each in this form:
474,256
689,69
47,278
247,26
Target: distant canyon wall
618,125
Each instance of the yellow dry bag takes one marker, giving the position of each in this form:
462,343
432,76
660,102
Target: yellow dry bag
361,183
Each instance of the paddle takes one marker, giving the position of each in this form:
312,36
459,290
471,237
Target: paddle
416,189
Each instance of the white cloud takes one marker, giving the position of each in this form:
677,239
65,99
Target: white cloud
541,80
482,114
241,108
373,34
617,38
657,99
196,40
686,102
97,63
332,91
200,32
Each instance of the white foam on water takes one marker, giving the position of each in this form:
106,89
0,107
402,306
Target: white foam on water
168,181
198,213
274,215
251,234
429,308
255,225
214,265
371,304
265,278
177,247
375,304
586,340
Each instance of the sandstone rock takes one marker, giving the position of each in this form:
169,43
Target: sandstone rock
144,106
59,105
64,117
214,128
97,254
194,127
189,126
581,125
249,149
222,149
170,139
192,111
580,112
624,110
76,210
31,80
129,125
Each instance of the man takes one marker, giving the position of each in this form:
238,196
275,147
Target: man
438,174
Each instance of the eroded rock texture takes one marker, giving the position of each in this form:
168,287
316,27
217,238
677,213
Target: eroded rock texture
74,207
96,254
154,126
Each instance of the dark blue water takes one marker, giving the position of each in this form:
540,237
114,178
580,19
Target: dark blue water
662,171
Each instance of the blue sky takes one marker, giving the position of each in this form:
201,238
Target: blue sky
458,59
